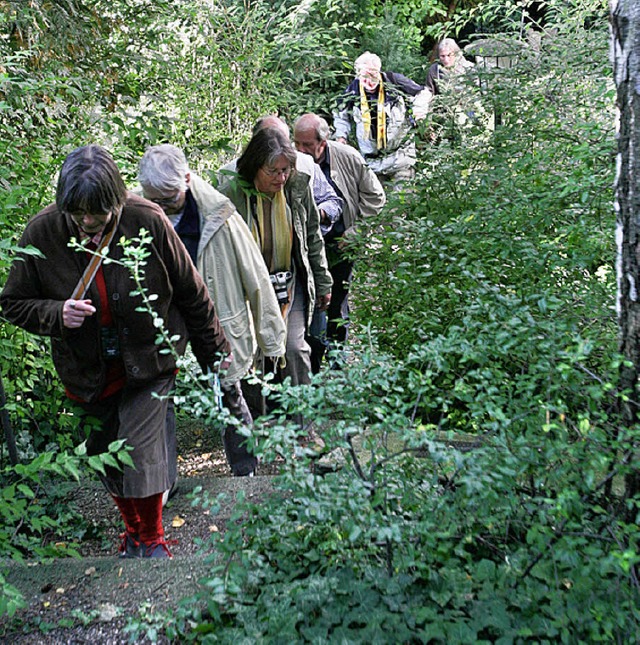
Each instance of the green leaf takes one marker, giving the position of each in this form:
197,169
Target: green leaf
96,463
26,491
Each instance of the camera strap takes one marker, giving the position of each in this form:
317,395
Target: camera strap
96,260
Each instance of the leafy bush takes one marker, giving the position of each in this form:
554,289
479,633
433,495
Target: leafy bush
30,503
502,253
478,424
418,537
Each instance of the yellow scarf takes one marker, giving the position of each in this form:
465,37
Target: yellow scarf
382,115
281,233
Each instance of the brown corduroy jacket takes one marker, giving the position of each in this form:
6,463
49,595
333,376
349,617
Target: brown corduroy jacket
37,288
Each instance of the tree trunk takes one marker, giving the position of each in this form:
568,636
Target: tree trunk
625,25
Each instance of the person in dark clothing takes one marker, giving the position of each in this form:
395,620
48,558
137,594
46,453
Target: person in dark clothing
103,342
451,63
363,196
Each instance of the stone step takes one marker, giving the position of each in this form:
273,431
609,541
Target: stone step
180,515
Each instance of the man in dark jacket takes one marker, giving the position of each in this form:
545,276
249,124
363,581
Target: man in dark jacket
104,349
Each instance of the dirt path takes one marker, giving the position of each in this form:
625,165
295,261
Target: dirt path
90,599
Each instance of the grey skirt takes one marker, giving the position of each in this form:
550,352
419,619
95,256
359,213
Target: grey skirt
145,421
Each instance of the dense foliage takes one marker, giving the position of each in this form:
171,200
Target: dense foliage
477,419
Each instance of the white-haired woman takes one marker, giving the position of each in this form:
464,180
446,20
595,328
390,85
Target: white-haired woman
450,64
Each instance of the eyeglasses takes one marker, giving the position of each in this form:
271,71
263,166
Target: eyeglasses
276,172
166,201
79,218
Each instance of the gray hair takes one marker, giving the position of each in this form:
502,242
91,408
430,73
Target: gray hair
163,168
90,182
265,147
311,121
271,121
450,44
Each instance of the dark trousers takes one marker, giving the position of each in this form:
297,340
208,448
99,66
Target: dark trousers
337,329
242,462
338,312
317,339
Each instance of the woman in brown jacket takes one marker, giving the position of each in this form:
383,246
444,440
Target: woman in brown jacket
104,349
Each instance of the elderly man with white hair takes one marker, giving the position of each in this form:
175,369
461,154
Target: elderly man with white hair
377,104
226,255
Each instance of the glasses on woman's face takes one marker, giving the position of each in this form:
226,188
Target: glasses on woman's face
91,223
166,201
276,172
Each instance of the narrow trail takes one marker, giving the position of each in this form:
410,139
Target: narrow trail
91,599
104,591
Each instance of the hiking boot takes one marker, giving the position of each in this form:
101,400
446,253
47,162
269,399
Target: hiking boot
155,549
251,473
130,547
244,472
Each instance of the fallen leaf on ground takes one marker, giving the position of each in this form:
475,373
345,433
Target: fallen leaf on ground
177,522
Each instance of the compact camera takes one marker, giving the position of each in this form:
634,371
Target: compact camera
110,343
279,281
